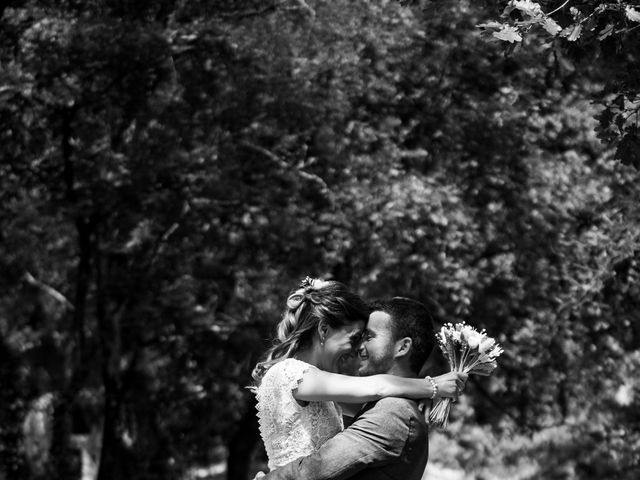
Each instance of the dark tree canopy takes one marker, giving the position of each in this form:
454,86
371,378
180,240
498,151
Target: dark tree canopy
170,170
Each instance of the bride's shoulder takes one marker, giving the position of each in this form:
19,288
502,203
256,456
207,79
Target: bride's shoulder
289,367
290,364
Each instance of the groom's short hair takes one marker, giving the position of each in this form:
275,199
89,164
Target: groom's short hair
410,318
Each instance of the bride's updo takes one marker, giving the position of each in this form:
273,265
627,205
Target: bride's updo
314,301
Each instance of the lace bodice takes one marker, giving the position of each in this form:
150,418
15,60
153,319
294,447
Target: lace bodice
290,430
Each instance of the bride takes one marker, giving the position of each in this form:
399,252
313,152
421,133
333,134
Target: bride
297,385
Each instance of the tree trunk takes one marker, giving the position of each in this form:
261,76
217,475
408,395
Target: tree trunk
85,229
65,459
115,457
12,411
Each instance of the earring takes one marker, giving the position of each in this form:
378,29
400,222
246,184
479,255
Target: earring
322,341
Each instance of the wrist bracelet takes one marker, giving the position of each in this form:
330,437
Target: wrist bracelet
434,386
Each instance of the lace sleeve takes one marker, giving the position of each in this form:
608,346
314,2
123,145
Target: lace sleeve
289,374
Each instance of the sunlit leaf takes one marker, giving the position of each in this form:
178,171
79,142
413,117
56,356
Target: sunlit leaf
527,7
572,32
605,32
551,26
491,25
508,34
632,14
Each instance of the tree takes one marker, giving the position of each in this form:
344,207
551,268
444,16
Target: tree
597,36
174,169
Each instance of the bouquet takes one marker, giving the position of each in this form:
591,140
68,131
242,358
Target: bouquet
467,351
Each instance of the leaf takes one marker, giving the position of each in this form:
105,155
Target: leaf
551,26
632,14
572,32
619,102
527,7
605,32
628,151
507,10
604,129
491,25
508,34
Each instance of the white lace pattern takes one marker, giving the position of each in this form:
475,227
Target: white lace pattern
288,429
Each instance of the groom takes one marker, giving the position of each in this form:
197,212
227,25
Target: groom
388,438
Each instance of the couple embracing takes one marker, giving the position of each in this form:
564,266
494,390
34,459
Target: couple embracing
303,392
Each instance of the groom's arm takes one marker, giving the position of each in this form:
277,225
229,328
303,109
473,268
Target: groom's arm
376,438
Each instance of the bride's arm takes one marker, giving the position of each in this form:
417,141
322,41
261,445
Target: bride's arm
318,385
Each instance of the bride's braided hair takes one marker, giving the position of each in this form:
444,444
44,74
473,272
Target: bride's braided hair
314,301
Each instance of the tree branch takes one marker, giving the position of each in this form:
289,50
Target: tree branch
48,289
166,234
285,166
252,13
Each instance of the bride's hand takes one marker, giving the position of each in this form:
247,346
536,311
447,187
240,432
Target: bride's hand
450,384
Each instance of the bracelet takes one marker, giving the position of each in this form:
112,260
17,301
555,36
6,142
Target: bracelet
434,386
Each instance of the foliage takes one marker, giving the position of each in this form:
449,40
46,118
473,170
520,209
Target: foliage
606,34
172,169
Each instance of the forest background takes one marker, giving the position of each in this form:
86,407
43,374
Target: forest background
172,169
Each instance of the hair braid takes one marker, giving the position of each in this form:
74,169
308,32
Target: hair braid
314,301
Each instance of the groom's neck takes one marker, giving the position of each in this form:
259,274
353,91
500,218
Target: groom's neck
401,371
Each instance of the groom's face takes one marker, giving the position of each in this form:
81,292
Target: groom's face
377,348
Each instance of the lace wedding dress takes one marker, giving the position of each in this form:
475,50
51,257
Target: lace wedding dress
290,430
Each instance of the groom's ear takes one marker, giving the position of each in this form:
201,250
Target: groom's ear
403,346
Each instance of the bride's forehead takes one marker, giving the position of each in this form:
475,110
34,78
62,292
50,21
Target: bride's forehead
353,329
350,328
356,328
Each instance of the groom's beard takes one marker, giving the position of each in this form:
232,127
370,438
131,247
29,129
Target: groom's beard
375,364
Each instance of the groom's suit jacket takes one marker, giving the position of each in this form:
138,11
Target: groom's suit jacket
387,440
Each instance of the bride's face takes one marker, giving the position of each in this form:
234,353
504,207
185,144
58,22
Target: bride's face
340,347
